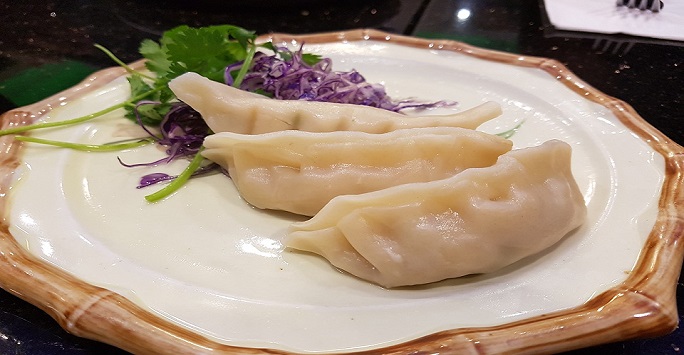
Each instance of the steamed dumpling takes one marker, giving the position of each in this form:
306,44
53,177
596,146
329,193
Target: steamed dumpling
227,109
300,171
475,222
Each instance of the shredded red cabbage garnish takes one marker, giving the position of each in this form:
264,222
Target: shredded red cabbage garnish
182,131
153,178
286,76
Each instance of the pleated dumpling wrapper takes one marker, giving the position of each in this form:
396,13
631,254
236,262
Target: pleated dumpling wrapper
300,172
227,109
478,221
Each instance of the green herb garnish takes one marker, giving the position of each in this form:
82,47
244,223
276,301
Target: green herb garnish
509,133
206,51
107,147
179,181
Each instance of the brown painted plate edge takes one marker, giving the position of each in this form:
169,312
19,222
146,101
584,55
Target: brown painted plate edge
644,305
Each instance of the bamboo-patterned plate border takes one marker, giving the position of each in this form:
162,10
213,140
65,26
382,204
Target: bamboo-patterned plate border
644,305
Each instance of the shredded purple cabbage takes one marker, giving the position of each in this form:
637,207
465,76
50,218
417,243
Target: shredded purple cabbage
153,178
294,79
182,132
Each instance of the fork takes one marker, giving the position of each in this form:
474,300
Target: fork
653,5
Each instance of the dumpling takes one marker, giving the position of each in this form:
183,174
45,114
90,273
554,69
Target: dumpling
227,109
300,171
475,222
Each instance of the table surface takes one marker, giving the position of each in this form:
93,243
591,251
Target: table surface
51,42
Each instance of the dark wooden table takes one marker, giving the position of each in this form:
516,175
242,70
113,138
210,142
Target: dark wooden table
51,43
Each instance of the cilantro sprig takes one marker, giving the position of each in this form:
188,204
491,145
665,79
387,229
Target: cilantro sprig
205,50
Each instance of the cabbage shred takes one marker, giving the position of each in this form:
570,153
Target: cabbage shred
289,75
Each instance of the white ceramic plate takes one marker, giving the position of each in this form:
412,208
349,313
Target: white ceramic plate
206,261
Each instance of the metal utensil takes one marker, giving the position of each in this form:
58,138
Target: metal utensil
653,5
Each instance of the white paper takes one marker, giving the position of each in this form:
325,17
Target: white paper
604,16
